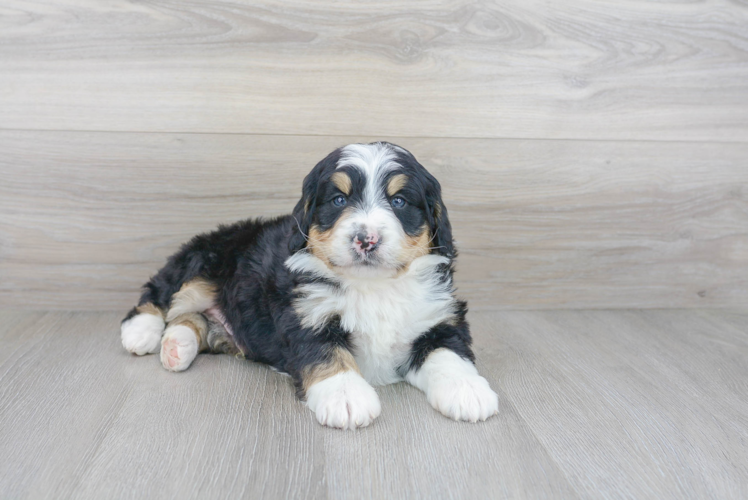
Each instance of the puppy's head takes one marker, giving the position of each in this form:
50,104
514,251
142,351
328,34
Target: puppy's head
371,208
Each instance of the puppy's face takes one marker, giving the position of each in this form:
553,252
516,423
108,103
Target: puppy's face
372,209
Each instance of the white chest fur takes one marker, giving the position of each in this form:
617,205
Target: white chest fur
383,315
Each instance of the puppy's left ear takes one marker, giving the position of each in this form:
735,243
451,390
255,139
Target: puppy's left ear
441,229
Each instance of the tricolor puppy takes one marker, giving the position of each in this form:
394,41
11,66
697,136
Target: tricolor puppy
352,290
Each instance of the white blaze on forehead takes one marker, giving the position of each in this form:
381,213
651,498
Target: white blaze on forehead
374,161
373,213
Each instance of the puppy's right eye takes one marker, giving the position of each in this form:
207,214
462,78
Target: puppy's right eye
339,201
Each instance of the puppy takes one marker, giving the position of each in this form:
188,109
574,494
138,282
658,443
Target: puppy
353,289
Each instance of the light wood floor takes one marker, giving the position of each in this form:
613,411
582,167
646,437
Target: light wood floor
594,404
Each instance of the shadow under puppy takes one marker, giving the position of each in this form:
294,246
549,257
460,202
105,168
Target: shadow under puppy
353,289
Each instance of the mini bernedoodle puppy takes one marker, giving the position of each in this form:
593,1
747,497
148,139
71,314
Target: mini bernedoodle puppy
353,289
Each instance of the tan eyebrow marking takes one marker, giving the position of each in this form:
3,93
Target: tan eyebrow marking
396,183
342,182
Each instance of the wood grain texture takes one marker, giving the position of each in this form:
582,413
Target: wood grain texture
583,69
87,217
628,403
593,404
103,424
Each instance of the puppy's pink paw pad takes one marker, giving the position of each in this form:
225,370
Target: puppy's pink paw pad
179,348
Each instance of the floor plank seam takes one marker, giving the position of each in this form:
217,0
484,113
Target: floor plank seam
386,136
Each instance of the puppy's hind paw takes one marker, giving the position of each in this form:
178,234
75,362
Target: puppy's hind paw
141,334
179,347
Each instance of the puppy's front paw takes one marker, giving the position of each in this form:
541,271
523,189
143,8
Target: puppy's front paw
178,348
345,401
468,398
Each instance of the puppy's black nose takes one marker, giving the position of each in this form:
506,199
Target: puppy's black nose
365,243
362,241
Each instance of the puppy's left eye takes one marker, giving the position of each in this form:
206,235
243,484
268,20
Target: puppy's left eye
398,202
339,201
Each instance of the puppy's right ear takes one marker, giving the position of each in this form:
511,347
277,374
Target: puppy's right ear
303,213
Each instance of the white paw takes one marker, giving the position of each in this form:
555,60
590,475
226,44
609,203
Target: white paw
141,334
453,386
467,398
345,401
178,348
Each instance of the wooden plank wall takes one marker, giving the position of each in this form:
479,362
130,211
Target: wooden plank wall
592,153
